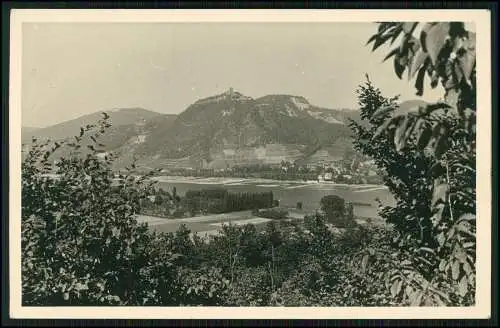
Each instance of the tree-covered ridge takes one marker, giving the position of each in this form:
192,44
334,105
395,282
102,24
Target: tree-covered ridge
210,126
119,117
213,128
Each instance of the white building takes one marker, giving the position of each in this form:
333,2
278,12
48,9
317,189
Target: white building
102,155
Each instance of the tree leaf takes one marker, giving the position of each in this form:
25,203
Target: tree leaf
409,291
465,227
395,114
470,43
391,53
438,300
441,146
467,217
419,82
400,132
440,192
417,62
434,79
384,26
441,239
364,263
427,249
435,39
423,35
431,108
381,111
408,27
438,136
469,245
438,215
463,286
425,135
466,63
396,287
467,268
459,75
472,279
372,38
380,41
393,123
416,298
416,125
398,67
396,32
455,270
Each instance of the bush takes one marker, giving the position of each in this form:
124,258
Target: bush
428,155
332,204
251,288
337,211
81,243
275,214
205,286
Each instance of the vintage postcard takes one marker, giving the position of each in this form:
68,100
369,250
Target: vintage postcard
284,164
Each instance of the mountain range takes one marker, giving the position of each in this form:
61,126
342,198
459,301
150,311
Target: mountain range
220,131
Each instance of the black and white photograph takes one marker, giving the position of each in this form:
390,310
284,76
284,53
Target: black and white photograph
210,164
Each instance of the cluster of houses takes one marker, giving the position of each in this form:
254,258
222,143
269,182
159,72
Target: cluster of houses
338,171
328,176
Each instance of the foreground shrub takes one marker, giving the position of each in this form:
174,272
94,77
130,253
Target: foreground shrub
81,243
428,153
337,211
274,214
252,287
205,286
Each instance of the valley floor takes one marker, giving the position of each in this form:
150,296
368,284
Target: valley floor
267,182
205,225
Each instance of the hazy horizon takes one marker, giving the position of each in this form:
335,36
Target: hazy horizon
74,69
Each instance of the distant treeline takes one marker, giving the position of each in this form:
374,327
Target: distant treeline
211,200
276,174
219,200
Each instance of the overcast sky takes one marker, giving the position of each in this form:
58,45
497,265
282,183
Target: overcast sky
70,70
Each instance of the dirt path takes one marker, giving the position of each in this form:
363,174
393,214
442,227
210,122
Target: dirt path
153,220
